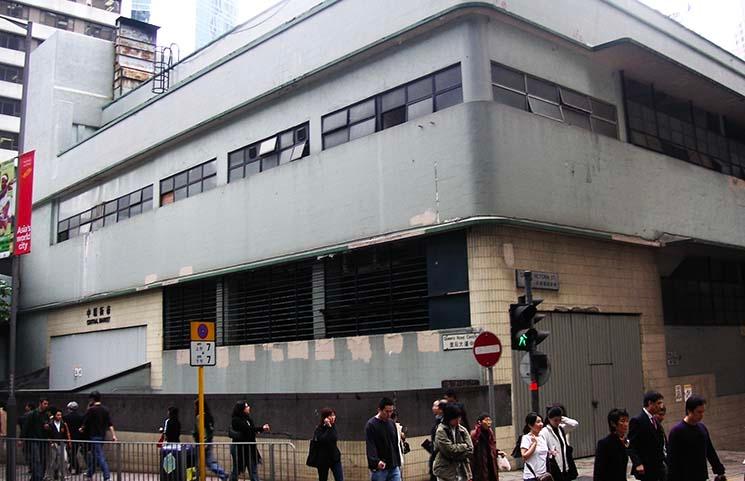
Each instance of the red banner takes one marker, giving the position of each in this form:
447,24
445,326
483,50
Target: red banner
25,184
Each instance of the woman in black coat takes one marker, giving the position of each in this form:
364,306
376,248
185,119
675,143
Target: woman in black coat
329,456
611,455
243,430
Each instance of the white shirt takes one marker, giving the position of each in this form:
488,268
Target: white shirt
537,460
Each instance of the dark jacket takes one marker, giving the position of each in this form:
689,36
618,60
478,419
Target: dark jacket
74,421
646,447
34,425
96,421
61,434
690,448
484,466
172,430
328,451
381,443
611,458
247,428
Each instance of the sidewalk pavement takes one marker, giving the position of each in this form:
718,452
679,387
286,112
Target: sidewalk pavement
732,460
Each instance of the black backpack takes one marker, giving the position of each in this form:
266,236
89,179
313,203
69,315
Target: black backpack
516,453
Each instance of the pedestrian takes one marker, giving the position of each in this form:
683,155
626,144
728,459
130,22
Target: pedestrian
660,418
554,432
646,447
209,434
3,420
533,448
485,452
452,398
35,431
329,456
59,433
244,452
96,424
401,436
453,446
611,454
172,426
429,443
691,446
27,408
74,421
381,444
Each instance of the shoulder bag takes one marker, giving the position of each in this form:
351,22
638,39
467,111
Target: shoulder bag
542,477
312,459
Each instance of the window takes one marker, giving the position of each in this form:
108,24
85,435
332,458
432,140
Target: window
10,107
541,97
417,98
11,41
105,214
57,20
188,183
705,291
409,285
8,140
11,73
108,5
13,9
99,31
281,148
678,128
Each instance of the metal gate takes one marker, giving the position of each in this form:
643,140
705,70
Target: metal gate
595,366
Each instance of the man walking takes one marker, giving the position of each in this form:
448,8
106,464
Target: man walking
96,423
74,421
646,445
690,445
381,441
35,427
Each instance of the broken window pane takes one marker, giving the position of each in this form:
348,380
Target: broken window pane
547,109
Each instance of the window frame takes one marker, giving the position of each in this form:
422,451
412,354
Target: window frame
274,152
170,192
380,110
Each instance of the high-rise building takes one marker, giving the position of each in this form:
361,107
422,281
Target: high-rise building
95,18
141,10
740,32
213,18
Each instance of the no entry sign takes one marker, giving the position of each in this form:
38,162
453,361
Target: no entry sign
487,348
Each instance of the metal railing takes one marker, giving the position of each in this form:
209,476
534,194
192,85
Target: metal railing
52,460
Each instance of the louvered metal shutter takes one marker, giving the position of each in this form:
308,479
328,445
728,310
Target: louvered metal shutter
183,303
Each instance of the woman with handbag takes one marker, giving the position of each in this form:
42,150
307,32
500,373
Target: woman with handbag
534,450
485,453
244,452
454,448
325,453
561,466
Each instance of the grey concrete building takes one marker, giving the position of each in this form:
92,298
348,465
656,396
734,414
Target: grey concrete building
349,186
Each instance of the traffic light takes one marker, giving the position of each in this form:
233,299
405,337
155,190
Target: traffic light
523,318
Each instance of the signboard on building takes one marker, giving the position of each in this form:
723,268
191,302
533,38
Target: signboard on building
548,281
203,349
25,194
7,206
453,342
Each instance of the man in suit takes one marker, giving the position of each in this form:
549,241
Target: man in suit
647,447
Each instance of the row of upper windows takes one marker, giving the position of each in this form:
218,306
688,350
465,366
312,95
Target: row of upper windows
52,19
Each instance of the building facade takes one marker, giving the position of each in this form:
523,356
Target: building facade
213,18
95,18
351,189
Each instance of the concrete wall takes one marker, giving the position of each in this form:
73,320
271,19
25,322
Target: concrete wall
407,361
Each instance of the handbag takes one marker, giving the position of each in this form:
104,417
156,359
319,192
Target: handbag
572,472
503,463
542,477
428,446
234,435
406,447
312,459
554,469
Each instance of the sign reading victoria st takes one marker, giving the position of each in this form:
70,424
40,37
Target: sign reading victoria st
548,281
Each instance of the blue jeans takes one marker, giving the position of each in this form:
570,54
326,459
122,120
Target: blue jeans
212,463
96,457
336,469
391,474
37,451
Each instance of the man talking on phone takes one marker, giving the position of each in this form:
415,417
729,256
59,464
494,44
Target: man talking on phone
381,441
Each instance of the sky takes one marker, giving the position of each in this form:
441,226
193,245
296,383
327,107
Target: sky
712,19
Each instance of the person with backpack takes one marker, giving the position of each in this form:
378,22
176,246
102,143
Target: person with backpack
534,449
209,434
562,467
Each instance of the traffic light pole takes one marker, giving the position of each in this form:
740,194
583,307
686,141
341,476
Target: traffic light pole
534,399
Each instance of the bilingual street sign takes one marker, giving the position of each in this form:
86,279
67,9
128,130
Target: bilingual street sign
203,349
487,349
